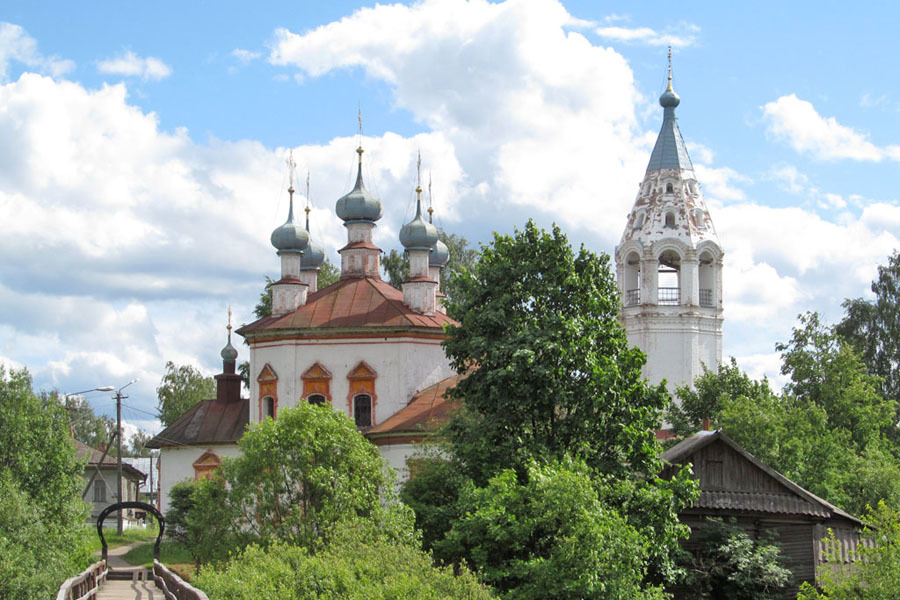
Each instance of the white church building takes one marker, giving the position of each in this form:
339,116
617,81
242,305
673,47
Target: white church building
374,352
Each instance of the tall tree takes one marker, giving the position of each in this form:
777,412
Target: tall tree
87,426
873,327
41,513
181,387
550,372
550,379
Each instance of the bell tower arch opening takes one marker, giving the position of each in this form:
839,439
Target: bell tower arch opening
668,279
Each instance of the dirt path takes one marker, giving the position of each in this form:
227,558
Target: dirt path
114,556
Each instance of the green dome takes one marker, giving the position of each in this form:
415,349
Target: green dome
359,204
418,234
669,99
439,256
290,237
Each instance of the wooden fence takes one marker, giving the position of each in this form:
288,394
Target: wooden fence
173,586
84,585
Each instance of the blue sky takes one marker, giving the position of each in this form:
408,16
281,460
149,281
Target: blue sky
142,152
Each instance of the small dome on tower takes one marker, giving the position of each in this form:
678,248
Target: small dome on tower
229,353
291,237
669,98
418,234
359,204
440,255
313,256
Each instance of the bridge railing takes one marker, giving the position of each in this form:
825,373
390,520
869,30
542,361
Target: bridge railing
85,584
173,586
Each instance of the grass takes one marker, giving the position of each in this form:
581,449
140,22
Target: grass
174,555
114,540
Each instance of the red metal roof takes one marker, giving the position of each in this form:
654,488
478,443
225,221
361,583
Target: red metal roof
207,422
351,302
426,411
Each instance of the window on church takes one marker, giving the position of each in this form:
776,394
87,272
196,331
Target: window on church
670,219
268,408
669,188
639,220
317,399
99,490
362,410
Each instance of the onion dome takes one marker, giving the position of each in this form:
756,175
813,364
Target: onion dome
440,255
314,255
669,98
418,234
359,204
229,353
290,237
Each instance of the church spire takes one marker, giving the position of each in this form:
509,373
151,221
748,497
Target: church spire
669,151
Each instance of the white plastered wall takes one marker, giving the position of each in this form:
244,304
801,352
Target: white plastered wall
176,464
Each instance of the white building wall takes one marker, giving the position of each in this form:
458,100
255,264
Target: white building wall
176,464
403,365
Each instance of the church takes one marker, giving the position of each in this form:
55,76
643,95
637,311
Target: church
374,352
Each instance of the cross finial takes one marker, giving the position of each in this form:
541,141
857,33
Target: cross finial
291,166
430,207
669,86
229,322
419,170
307,201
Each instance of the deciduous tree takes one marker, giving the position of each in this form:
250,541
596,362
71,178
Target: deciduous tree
181,387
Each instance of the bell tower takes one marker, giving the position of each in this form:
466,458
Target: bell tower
669,263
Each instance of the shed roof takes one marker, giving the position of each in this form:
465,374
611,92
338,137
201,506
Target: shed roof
207,422
795,499
350,303
426,411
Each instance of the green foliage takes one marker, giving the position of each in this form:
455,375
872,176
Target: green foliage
181,388
353,566
296,478
728,564
87,427
432,492
170,553
554,536
710,393
555,375
873,327
462,258
42,540
873,576
828,430
328,274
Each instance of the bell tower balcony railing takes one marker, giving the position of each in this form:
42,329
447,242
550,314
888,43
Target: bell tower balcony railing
706,297
669,296
632,297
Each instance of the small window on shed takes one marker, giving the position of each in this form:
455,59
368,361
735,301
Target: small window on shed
99,490
362,410
670,188
670,219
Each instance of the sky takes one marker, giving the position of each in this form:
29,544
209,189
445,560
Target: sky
143,149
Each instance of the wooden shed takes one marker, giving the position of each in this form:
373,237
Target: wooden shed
735,484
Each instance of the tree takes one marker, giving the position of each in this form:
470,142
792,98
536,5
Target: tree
137,445
873,327
87,426
41,513
550,378
873,575
300,475
726,563
181,387
550,372
356,565
553,536
462,257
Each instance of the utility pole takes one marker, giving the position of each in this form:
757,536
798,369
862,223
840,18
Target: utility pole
119,396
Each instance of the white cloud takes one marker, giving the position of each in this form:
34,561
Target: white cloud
798,123
17,46
245,56
130,64
683,35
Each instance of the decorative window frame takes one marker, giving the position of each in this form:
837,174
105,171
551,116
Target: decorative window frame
317,380
361,380
268,388
206,464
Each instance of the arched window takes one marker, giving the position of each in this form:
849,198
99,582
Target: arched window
670,219
317,399
669,188
268,407
362,410
639,220
668,280
707,280
632,279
